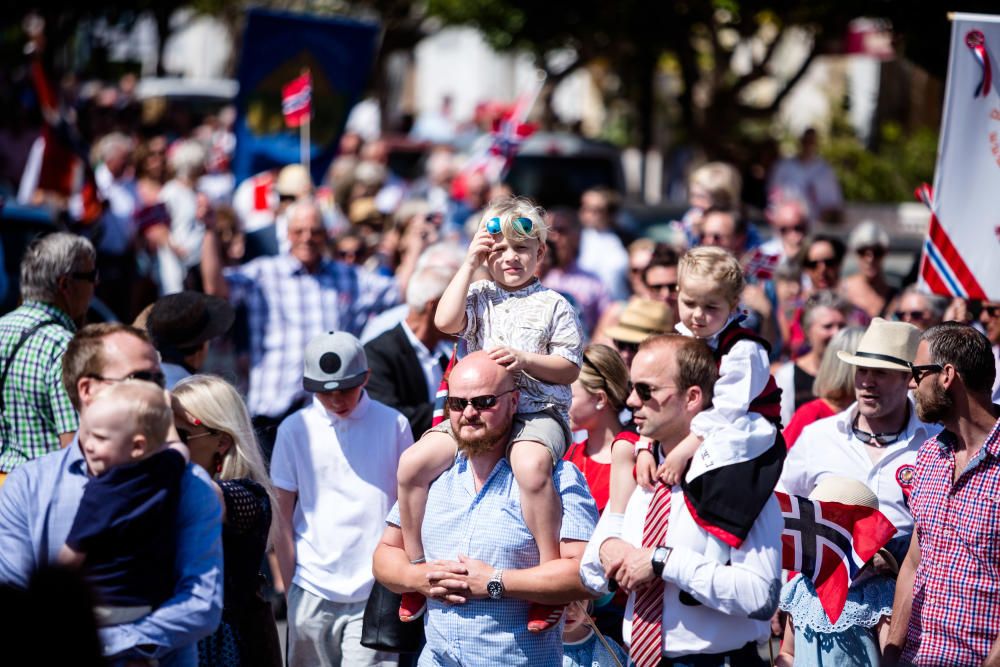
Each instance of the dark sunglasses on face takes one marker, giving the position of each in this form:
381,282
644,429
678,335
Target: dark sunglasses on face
623,346
645,390
874,251
187,437
798,229
156,377
991,311
659,287
920,372
86,276
904,315
829,262
458,404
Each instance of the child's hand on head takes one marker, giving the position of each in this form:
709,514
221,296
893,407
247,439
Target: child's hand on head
671,471
513,360
480,247
645,469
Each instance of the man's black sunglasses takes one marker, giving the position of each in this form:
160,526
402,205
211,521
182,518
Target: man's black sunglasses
156,377
457,404
920,372
645,391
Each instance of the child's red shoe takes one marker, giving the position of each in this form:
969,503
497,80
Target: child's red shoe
542,617
411,607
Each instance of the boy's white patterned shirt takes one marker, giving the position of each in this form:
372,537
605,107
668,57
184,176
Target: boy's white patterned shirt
532,319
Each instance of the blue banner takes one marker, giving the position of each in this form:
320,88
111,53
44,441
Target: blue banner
277,47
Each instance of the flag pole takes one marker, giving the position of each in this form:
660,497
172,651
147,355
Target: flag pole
304,147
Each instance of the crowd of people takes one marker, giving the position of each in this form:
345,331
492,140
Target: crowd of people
554,444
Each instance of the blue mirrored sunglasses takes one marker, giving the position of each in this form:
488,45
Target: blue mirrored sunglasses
522,225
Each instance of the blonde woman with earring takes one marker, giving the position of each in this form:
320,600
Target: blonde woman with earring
213,421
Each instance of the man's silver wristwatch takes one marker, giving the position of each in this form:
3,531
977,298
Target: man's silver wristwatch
660,556
494,587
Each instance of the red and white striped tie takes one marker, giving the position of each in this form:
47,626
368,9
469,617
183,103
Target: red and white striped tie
647,612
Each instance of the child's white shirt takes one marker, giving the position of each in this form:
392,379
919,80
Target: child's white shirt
732,433
532,319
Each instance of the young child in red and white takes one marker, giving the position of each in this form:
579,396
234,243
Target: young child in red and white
742,423
532,331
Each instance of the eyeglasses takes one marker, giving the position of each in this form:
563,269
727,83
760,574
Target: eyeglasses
522,225
798,229
828,262
920,372
480,403
156,377
879,439
714,238
645,391
187,437
904,315
659,287
992,311
86,276
624,346
874,251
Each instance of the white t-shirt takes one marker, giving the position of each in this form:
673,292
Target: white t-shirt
344,471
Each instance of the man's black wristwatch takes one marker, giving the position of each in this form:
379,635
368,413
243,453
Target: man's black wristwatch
494,587
660,556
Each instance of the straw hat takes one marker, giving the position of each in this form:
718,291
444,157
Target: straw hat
888,345
293,181
641,319
844,490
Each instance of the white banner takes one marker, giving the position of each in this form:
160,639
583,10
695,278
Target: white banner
962,250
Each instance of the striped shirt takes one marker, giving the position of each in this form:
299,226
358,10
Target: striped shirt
955,617
36,409
488,526
286,307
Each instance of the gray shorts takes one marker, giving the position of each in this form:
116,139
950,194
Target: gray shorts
545,427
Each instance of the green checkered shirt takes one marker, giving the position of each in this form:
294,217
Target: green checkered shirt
36,407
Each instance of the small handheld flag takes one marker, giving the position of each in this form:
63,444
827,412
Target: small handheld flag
296,100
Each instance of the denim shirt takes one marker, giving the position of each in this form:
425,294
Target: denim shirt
488,526
37,505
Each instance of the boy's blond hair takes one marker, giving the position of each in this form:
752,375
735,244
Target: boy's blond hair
721,181
508,209
146,404
715,264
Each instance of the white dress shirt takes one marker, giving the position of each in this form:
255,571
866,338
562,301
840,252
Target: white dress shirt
430,361
344,472
738,588
828,447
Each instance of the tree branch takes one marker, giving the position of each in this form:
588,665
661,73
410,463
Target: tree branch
789,85
759,69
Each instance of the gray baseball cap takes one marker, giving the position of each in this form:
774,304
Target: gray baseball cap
333,361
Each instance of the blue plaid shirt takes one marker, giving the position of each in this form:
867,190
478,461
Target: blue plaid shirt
287,306
489,526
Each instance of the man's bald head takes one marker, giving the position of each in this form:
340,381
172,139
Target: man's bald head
481,430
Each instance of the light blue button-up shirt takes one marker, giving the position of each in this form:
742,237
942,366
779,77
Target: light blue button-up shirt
488,526
38,503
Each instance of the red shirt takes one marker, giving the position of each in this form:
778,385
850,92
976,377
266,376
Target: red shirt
598,475
956,594
805,415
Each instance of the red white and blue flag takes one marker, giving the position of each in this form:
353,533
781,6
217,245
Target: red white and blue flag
963,240
830,543
296,100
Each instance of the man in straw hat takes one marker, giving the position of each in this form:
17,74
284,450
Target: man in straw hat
641,319
694,600
875,440
947,606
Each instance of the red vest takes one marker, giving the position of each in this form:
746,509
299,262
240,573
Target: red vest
768,402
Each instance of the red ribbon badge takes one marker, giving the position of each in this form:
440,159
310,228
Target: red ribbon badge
976,41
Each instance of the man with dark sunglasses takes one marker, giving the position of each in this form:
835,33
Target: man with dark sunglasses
482,571
695,600
40,500
875,440
946,610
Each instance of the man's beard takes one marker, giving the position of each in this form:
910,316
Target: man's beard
933,409
484,443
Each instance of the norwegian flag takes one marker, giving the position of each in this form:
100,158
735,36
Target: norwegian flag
296,100
830,543
442,393
507,137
